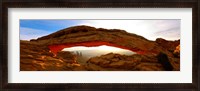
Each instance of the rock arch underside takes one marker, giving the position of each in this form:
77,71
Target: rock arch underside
45,52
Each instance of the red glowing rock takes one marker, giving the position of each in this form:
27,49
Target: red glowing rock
57,48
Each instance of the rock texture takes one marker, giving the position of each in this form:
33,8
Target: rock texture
67,57
177,51
45,52
113,61
134,62
37,57
169,45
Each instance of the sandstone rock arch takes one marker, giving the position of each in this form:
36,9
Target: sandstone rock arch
90,36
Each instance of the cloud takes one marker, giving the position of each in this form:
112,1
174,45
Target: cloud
170,34
29,33
146,28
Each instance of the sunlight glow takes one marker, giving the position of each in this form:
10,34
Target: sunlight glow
97,51
99,48
109,48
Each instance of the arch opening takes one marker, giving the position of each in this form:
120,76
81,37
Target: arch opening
60,47
97,50
83,54
83,51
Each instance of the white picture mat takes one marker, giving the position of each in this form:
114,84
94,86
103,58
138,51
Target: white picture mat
17,76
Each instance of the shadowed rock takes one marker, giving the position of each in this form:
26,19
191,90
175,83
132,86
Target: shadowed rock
163,59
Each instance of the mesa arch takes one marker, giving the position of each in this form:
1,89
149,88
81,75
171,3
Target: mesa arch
90,36
57,48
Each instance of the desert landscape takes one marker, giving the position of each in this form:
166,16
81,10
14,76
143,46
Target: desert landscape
46,53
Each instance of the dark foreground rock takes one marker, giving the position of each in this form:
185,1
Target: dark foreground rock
164,60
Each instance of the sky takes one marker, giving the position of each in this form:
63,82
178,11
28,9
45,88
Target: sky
150,29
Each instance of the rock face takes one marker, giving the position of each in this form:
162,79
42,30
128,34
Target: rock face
45,52
134,62
67,56
169,45
177,51
113,61
37,57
